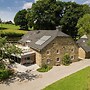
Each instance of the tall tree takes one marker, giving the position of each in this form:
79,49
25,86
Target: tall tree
83,25
45,14
72,12
20,19
12,49
7,49
0,20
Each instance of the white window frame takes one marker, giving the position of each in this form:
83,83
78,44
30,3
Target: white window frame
57,59
58,52
72,57
48,60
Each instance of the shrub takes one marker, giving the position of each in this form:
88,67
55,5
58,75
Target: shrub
66,59
2,66
4,74
44,68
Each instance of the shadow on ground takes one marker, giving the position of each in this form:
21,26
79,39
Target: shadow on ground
20,77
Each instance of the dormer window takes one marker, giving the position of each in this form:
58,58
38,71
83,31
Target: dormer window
28,41
83,40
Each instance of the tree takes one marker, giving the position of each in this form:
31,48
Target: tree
20,19
12,49
8,49
0,20
83,25
72,12
45,14
0,23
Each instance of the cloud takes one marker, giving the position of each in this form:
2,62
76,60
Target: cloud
87,2
27,5
6,15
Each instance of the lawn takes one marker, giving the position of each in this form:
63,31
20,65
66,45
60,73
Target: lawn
6,28
9,26
11,31
77,81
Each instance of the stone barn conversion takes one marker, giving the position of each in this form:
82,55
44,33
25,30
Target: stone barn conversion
84,48
47,47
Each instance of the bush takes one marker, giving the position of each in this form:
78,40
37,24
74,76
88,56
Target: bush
44,68
66,59
2,66
4,74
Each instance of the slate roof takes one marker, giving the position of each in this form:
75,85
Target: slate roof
35,35
82,42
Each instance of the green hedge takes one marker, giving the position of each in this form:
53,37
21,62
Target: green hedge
12,33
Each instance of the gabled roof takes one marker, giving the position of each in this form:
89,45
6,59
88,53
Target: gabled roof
36,35
82,42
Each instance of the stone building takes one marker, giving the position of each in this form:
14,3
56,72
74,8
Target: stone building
84,48
48,46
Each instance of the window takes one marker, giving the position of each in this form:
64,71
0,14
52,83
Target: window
72,57
58,51
48,61
72,50
58,60
48,52
28,58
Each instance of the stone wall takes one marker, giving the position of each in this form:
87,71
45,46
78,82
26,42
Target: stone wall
81,53
53,53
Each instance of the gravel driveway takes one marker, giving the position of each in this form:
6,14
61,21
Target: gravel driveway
47,78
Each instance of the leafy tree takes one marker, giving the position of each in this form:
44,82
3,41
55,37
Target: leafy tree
0,23
45,14
83,25
0,20
7,49
20,19
12,49
72,12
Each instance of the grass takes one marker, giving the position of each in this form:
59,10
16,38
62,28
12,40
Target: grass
77,81
9,26
11,31
44,68
6,28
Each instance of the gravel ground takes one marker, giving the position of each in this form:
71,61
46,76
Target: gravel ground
44,79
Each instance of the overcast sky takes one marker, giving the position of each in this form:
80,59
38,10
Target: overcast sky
8,8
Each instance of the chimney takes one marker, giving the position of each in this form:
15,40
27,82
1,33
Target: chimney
59,28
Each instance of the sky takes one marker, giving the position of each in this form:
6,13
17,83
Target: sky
9,8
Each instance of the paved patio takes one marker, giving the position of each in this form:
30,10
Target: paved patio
47,78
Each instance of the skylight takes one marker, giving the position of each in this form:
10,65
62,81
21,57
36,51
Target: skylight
42,40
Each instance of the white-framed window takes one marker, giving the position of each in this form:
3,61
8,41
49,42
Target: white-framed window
57,59
48,61
72,57
57,51
48,52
